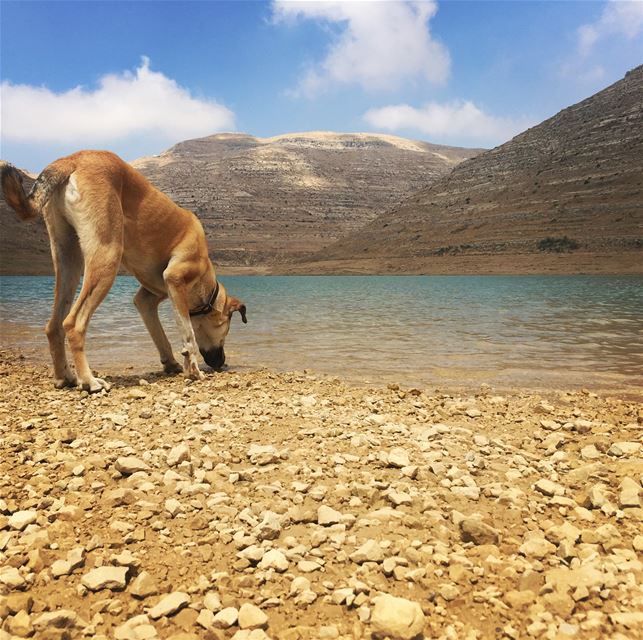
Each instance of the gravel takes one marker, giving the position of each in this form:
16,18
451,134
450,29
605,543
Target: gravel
262,505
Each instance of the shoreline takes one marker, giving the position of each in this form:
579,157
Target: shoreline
400,267
536,263
626,387
490,514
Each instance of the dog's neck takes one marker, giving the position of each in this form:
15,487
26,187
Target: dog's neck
202,289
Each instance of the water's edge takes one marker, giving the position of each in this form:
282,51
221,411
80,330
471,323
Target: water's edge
507,331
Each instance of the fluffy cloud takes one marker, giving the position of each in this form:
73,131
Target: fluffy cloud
619,18
143,103
459,122
377,45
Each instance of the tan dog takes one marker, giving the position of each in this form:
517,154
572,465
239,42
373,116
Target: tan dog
99,212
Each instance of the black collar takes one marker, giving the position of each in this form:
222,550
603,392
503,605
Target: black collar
209,306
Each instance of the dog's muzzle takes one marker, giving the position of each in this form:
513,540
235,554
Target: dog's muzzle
214,357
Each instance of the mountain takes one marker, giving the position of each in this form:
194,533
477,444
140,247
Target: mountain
565,196
267,200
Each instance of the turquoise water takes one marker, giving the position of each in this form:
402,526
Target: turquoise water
530,331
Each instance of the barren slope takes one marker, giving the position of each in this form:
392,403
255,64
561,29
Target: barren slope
263,200
266,200
564,196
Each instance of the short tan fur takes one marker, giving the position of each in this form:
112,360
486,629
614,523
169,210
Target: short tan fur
101,212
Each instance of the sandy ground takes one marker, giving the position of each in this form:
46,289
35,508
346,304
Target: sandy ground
295,506
461,264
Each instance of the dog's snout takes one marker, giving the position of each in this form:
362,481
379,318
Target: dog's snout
214,357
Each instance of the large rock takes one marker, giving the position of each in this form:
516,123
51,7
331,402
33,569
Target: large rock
143,586
263,454
251,617
21,519
370,551
536,547
169,605
114,578
629,494
20,624
549,488
396,618
135,628
564,579
59,619
274,559
625,448
476,531
12,578
327,515
398,458
270,527
130,464
225,618
178,454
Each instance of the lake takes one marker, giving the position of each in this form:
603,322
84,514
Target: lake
530,331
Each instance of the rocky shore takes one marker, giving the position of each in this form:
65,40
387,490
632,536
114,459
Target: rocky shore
264,505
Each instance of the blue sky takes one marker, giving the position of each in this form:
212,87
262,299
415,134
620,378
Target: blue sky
136,77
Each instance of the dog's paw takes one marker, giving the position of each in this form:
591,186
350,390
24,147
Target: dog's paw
172,367
194,373
95,385
61,383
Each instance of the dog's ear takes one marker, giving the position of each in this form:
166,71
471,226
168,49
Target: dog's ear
235,304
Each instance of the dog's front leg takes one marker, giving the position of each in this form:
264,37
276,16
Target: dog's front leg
147,304
177,289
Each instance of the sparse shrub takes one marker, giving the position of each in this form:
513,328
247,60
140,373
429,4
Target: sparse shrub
558,245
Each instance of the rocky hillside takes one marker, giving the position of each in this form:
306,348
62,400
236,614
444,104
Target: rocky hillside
265,200
564,196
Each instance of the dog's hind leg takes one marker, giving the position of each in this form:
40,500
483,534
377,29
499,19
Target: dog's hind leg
68,262
99,275
100,232
147,304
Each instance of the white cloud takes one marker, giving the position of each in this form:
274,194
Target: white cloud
377,45
619,18
458,122
143,103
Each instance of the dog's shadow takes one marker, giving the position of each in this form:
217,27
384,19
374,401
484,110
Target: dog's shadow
125,380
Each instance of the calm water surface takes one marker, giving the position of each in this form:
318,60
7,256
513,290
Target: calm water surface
428,330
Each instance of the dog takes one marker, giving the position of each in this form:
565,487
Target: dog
101,212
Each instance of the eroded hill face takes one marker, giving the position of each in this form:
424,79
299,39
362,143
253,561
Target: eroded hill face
263,201
566,195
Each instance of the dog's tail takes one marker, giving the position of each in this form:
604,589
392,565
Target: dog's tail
29,206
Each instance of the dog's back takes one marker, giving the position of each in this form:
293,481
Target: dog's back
101,165
29,206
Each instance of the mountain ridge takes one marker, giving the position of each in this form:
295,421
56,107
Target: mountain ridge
551,198
564,196
263,201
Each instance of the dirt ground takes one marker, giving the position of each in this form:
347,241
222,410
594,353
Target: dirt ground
295,506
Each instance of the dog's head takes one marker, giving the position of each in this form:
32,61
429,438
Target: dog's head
211,329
